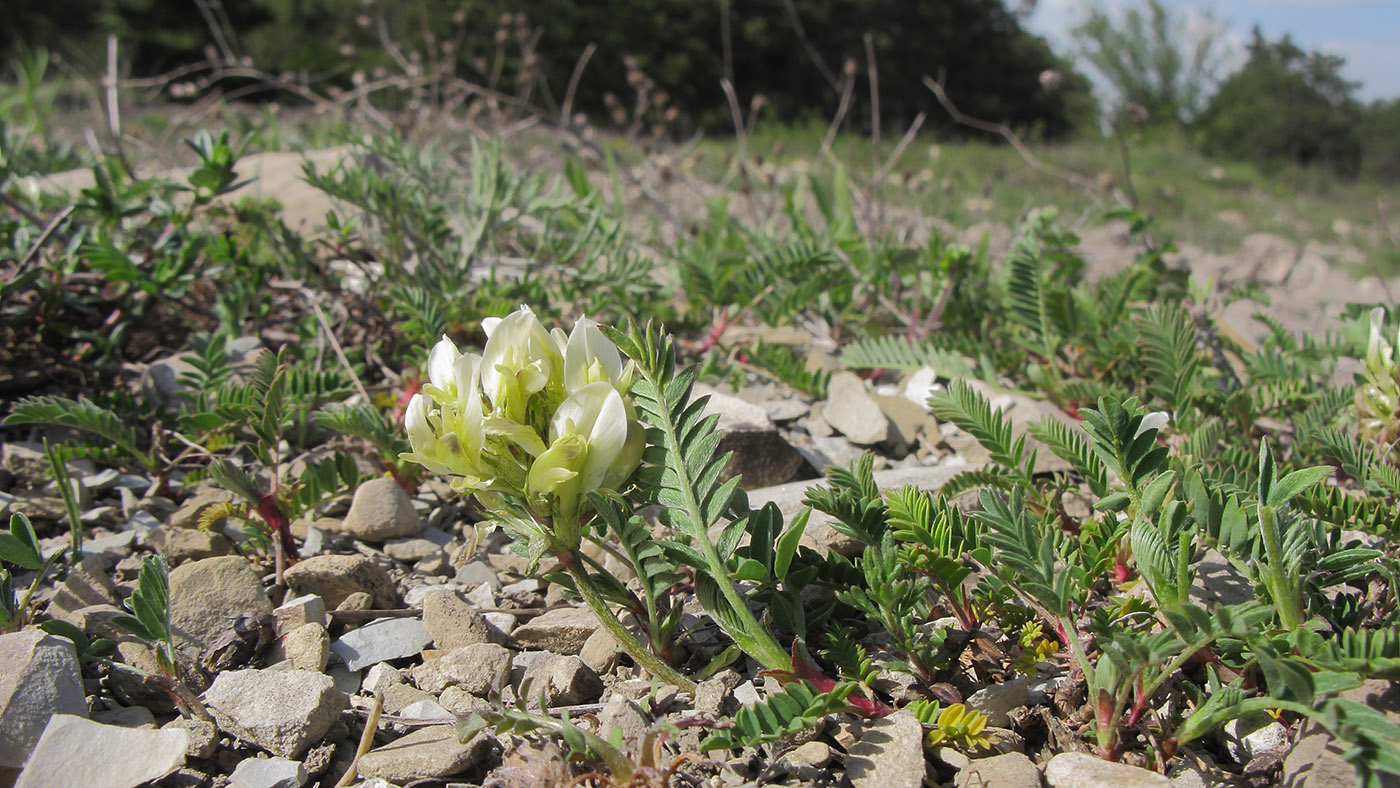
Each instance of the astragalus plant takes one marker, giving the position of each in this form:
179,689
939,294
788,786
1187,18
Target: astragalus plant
548,431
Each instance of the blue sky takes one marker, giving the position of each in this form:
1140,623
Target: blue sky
1365,32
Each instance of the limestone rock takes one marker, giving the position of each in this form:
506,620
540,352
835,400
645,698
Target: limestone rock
889,754
476,669
1012,770
308,647
761,455
562,631
431,752
381,641
87,584
381,510
203,736
851,411
207,596
179,545
1080,770
451,622
39,678
564,680
334,577
281,711
76,751
203,497
996,701
268,773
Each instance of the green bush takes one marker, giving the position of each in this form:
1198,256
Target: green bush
1285,105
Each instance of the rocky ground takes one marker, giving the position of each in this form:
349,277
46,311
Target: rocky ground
392,600
399,597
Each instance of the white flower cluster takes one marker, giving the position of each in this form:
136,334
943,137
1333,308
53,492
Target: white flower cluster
538,415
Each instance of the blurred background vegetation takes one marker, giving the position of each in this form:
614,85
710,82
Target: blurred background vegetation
662,65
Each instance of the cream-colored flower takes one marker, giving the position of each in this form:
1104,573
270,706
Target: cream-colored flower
520,359
590,357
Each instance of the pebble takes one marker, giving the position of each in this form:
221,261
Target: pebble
475,573
203,736
426,709
306,609
624,715
997,701
87,584
476,669
39,678
1253,735
179,545
76,751
433,541
600,652
1012,770
851,411
452,623
335,577
760,453
1080,770
380,641
268,773
203,497
427,753
381,510
889,754
564,680
814,753
308,647
207,596
562,631
281,711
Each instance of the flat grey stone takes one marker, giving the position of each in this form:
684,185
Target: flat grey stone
889,754
207,596
431,752
1080,770
268,773
39,678
381,641
562,631
76,751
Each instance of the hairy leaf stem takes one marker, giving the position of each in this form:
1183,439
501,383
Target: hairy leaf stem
629,643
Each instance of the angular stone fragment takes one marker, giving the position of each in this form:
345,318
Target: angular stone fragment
889,754
451,622
76,751
381,641
476,669
207,596
335,577
562,631
281,711
39,678
1080,770
427,753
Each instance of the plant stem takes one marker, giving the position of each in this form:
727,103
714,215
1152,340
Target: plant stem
639,653
1286,601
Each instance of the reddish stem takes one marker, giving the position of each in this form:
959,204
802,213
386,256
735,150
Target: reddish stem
271,511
